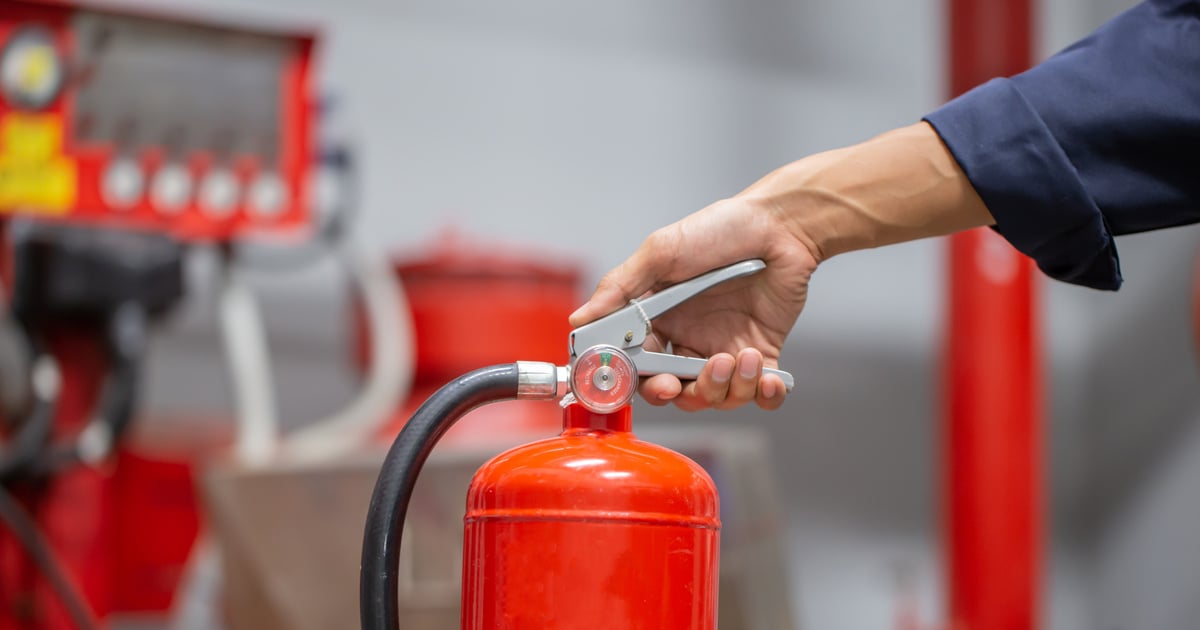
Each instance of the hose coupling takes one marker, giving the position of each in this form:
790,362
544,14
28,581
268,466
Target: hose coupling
538,380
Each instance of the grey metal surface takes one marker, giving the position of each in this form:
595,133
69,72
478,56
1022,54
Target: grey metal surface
538,380
185,87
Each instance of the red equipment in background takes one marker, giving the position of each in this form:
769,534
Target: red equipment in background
196,131
74,509
993,444
470,309
153,126
155,509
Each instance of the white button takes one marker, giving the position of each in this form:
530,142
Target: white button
267,194
123,183
171,188
219,192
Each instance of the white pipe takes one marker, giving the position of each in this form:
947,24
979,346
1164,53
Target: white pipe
388,381
390,372
247,357
256,419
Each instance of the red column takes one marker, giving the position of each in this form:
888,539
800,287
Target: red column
993,437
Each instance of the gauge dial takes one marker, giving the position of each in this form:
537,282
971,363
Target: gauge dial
603,379
31,69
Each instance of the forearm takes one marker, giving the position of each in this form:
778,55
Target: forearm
900,186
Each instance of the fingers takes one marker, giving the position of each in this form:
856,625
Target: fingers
711,388
771,392
743,386
725,382
661,389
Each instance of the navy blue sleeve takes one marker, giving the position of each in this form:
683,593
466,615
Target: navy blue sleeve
1100,140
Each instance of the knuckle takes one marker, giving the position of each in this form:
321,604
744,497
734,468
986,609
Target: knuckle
770,404
655,401
608,281
714,396
688,403
662,247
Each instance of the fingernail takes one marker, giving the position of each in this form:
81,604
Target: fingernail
577,312
769,390
722,369
749,366
665,396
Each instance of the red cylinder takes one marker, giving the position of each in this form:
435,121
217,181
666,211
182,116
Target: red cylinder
993,470
993,413
479,303
591,529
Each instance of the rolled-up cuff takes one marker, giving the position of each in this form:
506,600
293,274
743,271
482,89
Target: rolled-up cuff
1028,184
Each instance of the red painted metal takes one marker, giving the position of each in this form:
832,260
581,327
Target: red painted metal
993,460
73,509
994,442
122,538
293,146
157,508
593,528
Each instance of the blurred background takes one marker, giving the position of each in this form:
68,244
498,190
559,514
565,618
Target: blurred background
543,141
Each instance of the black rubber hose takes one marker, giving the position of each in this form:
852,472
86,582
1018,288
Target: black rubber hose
378,580
126,333
30,438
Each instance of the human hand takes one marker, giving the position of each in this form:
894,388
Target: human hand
740,325
896,187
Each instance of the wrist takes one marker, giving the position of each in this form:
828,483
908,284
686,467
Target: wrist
900,186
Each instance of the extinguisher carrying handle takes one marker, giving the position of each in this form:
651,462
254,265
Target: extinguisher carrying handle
379,605
628,327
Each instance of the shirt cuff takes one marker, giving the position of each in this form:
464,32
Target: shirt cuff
1028,184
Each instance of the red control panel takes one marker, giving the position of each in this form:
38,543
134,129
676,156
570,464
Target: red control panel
196,130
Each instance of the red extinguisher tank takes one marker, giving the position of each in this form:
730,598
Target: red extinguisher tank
591,529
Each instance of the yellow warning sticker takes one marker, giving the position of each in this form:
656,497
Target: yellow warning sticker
35,175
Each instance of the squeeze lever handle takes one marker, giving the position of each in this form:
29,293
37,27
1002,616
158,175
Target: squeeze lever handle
675,295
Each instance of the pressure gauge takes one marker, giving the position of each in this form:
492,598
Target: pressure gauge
31,69
603,379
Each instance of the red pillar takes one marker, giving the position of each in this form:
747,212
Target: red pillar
993,441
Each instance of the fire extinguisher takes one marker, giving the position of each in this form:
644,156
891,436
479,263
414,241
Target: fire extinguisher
590,529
